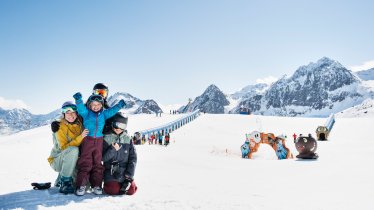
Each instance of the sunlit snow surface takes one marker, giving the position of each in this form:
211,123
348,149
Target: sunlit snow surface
202,168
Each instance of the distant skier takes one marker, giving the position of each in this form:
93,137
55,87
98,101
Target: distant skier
167,139
294,137
153,138
159,138
137,138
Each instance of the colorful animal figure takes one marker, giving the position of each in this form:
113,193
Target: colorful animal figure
245,149
277,143
306,146
281,149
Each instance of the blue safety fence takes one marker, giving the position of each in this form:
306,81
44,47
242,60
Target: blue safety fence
171,126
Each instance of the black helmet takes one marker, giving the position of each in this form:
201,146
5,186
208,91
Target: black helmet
101,89
100,86
119,120
95,97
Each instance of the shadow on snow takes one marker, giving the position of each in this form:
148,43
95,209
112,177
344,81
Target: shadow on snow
31,199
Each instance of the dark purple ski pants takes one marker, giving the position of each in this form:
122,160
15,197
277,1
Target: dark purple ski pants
89,162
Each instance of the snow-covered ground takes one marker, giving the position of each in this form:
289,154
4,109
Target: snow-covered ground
365,109
202,168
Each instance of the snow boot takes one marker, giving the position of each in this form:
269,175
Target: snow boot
97,190
66,185
80,191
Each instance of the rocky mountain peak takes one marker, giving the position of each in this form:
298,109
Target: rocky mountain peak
212,100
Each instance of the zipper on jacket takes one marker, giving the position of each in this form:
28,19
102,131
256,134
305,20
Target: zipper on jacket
96,126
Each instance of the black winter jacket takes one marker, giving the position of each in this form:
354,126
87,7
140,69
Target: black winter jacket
118,163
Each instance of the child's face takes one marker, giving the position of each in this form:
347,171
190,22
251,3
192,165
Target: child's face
95,106
117,130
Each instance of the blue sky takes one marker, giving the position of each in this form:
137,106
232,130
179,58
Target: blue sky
170,51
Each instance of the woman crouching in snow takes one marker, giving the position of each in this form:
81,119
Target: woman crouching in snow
66,140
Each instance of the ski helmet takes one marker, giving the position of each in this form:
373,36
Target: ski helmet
119,120
68,106
101,89
95,97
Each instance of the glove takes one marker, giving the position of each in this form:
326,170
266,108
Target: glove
128,179
124,187
77,96
122,103
55,126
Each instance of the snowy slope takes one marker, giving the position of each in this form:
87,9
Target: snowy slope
366,74
202,168
366,109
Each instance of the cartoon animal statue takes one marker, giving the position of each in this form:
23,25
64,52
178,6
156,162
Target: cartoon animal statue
280,148
277,143
252,142
245,149
306,146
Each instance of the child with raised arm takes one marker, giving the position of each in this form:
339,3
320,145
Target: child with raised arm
89,164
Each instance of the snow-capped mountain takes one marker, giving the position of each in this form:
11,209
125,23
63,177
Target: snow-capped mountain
211,101
134,105
15,120
316,89
366,74
250,91
247,97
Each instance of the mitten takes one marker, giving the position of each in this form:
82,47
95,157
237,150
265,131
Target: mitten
55,126
122,103
77,96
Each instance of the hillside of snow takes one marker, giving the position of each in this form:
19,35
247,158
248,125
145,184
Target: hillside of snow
202,168
366,109
366,74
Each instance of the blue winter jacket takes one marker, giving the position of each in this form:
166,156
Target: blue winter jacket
93,121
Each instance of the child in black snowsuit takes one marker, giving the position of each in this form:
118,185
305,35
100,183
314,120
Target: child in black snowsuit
119,157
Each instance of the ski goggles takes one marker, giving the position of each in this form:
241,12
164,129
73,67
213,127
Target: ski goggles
97,98
119,125
71,108
102,92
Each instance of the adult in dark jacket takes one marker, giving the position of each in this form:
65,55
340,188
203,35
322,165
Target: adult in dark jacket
119,157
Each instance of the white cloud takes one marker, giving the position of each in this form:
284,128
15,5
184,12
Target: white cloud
365,66
12,104
267,80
